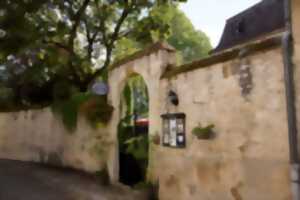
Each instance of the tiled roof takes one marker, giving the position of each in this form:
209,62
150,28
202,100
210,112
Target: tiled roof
260,20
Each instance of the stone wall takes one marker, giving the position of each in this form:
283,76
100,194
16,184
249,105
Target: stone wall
242,94
249,158
296,34
39,136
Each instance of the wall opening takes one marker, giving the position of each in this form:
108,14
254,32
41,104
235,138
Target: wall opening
133,132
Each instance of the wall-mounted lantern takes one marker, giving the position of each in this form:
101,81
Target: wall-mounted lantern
174,130
173,98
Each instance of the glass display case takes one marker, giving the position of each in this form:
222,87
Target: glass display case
174,130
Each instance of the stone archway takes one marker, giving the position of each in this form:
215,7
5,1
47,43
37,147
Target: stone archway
150,65
133,132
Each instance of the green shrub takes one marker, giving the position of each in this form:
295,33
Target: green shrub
6,99
94,108
138,147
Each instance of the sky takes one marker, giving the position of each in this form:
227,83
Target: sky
210,16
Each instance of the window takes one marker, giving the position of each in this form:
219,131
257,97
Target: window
240,27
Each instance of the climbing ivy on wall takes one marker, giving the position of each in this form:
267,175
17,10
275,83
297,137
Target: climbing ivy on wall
135,98
134,141
127,99
94,108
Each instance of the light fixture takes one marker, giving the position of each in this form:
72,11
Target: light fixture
173,98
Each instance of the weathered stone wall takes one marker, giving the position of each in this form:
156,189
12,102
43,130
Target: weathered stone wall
296,34
243,97
249,158
39,136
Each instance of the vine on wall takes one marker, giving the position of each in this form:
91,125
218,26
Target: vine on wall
94,108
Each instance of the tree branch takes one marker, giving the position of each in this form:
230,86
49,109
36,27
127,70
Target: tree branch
89,40
120,22
109,44
76,22
58,45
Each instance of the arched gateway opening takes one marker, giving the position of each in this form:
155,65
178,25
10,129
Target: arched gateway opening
133,131
150,64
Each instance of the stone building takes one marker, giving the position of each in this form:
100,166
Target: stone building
247,88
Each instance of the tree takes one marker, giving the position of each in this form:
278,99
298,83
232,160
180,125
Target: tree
46,41
178,31
191,43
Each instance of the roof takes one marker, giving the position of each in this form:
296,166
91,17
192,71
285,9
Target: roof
145,52
253,23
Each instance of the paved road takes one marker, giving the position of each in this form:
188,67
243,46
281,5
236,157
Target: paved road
27,181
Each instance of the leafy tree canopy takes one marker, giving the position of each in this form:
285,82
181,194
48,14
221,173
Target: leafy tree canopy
192,44
72,41
179,32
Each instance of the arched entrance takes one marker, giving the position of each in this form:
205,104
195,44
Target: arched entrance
150,64
133,131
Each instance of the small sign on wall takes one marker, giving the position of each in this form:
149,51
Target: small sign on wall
100,88
174,130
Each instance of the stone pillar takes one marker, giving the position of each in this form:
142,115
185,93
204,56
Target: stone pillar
296,26
296,60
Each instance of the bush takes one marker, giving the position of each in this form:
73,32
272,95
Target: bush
7,99
93,107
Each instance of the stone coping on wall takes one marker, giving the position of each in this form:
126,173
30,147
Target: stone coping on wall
249,48
145,52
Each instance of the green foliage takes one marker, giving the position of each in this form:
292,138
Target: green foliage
175,27
138,147
75,40
126,47
128,100
63,90
132,143
68,110
97,111
203,132
6,99
157,23
135,98
94,108
192,44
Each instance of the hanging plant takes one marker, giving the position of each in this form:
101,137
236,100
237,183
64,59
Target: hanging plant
93,107
96,110
204,132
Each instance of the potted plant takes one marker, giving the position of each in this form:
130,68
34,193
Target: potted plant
204,132
156,139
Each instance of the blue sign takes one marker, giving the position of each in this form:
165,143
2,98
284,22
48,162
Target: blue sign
100,88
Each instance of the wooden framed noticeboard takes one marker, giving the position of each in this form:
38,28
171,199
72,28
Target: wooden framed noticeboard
174,130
